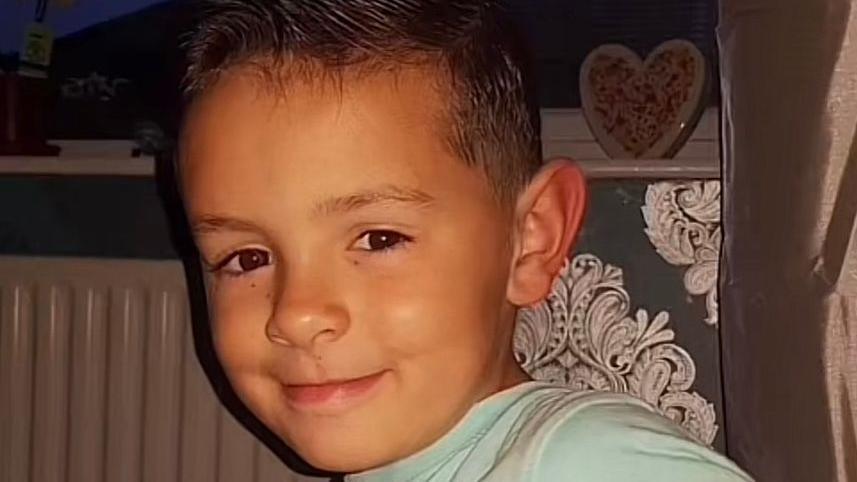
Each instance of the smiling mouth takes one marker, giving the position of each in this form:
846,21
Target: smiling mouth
334,395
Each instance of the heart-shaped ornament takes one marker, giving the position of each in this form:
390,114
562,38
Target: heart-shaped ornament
643,110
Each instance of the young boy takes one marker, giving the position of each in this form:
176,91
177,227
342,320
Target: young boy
364,182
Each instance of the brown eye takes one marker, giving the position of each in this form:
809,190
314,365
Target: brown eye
252,259
245,261
381,240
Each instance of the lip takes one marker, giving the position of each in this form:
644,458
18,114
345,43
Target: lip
332,396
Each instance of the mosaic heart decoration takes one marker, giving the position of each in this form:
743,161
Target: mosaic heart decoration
640,109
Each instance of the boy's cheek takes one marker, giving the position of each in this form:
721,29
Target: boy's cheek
235,349
422,319
238,328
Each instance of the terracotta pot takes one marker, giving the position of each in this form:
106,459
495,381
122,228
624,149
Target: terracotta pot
23,116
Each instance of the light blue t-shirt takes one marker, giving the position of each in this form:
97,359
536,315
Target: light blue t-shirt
544,433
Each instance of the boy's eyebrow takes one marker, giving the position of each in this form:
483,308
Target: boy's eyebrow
341,204
211,224
384,194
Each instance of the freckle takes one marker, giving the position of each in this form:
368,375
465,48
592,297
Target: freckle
252,285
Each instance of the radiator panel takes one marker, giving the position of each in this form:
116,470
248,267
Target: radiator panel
99,380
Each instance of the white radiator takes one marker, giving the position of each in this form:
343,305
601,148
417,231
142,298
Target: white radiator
99,381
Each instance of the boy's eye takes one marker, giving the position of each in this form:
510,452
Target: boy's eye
244,261
381,240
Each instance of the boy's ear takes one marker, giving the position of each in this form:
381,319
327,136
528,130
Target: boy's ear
548,218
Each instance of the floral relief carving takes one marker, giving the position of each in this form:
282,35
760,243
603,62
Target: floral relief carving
683,223
584,336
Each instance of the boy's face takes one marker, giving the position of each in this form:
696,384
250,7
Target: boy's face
359,304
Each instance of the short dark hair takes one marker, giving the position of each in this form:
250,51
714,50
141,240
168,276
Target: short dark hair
493,111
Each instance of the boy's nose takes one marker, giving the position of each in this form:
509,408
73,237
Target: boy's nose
306,319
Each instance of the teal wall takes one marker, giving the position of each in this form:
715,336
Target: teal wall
116,217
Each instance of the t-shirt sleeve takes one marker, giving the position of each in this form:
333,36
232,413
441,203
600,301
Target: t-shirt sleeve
619,442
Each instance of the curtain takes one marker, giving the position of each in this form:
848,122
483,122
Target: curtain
789,267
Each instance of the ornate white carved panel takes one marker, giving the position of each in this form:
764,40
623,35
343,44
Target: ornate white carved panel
584,336
683,224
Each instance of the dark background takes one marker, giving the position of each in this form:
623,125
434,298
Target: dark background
142,48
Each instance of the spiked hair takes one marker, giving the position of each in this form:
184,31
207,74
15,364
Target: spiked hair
492,114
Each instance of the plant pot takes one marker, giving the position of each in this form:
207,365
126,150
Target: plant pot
23,116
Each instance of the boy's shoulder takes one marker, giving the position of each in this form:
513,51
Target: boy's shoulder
599,436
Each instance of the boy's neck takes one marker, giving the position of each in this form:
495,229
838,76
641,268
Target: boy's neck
514,375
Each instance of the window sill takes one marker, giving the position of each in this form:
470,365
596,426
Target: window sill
82,158
566,134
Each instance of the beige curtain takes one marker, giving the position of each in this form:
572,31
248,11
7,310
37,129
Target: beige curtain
789,277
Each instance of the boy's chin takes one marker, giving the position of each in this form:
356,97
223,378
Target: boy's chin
349,460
